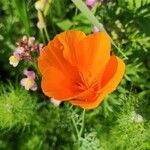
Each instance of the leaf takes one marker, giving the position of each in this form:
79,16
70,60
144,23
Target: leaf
65,24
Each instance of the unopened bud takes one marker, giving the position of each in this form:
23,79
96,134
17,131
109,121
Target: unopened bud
39,5
41,23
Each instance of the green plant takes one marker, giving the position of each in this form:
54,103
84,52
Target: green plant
17,107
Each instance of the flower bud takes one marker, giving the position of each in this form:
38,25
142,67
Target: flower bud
55,102
90,3
95,29
39,5
31,41
41,23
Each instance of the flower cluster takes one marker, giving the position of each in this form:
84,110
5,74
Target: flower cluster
29,81
24,50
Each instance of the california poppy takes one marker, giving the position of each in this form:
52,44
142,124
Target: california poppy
79,68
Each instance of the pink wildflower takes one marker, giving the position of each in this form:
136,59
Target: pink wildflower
90,3
25,47
29,82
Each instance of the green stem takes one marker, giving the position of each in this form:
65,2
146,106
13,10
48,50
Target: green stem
46,33
52,22
42,35
74,21
75,126
83,120
90,16
119,49
35,65
79,132
45,29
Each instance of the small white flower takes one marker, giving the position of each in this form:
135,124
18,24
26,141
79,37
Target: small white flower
136,117
55,102
13,60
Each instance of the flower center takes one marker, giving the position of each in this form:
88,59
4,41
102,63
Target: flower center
86,82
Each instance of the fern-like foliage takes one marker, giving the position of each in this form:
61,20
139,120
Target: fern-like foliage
17,107
90,142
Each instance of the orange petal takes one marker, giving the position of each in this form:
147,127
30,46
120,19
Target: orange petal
52,56
55,84
69,40
116,68
60,51
44,61
84,97
93,53
110,70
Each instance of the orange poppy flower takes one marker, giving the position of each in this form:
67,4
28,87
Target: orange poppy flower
79,68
